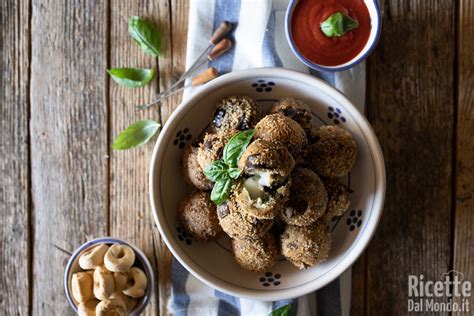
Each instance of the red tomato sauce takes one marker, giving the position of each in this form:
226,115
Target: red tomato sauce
317,47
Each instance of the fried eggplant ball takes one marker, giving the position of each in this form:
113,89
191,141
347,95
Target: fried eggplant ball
295,110
265,183
240,225
267,159
197,213
255,255
279,128
334,152
235,113
212,146
307,201
338,200
192,170
306,246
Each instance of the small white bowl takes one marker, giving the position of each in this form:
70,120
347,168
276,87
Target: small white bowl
141,261
213,262
376,26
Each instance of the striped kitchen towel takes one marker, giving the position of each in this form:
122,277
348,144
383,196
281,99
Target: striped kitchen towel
259,41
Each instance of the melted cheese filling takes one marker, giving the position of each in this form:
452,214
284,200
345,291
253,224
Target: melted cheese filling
255,185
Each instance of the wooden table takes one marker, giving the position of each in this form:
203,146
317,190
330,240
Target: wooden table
62,184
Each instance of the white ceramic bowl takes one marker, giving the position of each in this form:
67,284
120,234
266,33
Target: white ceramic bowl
141,261
212,262
376,26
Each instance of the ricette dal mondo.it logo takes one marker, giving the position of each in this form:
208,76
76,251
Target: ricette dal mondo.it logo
451,293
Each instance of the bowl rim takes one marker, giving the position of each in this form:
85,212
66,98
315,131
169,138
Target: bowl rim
347,65
111,240
357,248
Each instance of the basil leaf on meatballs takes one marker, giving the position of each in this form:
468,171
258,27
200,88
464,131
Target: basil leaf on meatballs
234,172
216,170
221,190
236,146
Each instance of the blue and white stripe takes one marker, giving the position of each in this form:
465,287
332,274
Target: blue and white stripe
259,41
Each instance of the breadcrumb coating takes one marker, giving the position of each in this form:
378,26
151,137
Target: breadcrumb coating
306,246
235,113
192,171
265,155
212,146
307,201
279,128
338,200
255,255
295,110
240,225
197,213
334,152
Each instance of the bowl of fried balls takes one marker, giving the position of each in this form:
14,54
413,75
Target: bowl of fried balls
267,183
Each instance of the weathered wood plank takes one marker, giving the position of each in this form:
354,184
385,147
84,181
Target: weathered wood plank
176,41
130,214
410,105
14,186
358,287
68,139
464,223
173,20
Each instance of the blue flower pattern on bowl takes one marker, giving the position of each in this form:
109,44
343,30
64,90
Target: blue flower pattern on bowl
182,137
335,114
270,279
263,86
354,220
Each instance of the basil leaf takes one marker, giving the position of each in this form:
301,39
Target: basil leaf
146,35
282,311
236,146
131,77
216,170
221,190
234,173
136,134
338,24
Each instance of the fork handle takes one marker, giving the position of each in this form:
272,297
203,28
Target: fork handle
220,32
